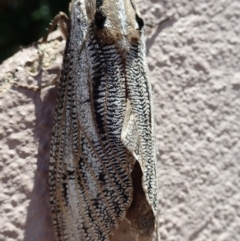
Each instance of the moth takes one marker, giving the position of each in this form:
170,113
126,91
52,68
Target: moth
102,161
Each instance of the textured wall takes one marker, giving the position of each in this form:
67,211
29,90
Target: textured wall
194,67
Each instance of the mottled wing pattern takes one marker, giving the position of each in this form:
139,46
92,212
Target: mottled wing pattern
102,142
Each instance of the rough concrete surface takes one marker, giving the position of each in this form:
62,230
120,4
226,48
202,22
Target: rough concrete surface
195,74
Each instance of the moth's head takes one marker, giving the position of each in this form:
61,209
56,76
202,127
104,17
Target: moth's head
112,21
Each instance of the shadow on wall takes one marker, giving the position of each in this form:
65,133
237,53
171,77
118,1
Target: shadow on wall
39,223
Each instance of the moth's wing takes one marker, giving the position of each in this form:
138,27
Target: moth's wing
137,136
90,173
89,196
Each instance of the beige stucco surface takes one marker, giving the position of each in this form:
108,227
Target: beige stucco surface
195,75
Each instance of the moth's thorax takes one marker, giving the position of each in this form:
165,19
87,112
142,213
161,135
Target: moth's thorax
120,15
111,21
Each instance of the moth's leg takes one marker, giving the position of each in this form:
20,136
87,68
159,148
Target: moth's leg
35,88
64,23
160,22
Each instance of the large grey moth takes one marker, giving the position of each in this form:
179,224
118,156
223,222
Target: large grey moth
102,160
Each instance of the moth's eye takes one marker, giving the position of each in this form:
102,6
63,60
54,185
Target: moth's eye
140,22
99,3
99,19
